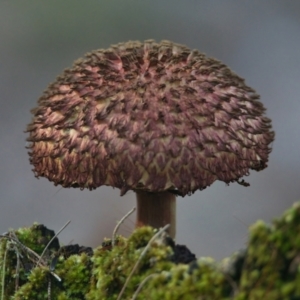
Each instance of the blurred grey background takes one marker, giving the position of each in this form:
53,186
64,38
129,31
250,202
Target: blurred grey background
259,40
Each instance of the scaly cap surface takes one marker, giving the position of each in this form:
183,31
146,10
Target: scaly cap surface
149,116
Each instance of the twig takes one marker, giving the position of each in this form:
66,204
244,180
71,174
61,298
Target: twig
24,248
17,269
232,283
49,288
40,262
59,231
140,258
113,240
3,273
145,280
18,254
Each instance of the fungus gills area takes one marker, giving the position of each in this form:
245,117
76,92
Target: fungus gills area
148,117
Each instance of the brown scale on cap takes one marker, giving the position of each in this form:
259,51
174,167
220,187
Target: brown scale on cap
149,117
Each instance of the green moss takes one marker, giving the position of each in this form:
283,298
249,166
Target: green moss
37,237
36,285
113,266
201,278
269,268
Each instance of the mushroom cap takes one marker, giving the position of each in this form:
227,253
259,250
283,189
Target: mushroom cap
148,116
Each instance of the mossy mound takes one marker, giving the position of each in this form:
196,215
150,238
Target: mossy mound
269,268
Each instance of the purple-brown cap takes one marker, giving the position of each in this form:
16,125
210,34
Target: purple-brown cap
148,116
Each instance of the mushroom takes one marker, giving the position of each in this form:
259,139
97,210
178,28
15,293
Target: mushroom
156,118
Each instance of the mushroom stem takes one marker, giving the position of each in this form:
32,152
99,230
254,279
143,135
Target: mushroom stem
156,210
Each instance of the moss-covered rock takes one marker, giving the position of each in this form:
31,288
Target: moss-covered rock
269,268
